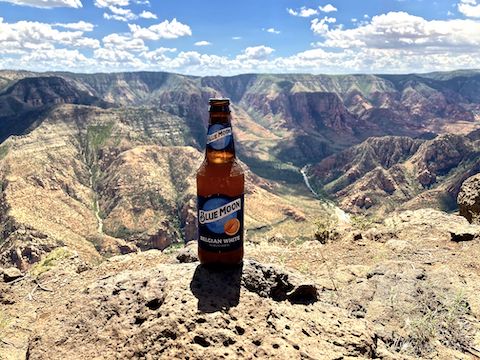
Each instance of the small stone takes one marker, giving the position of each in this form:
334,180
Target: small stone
11,274
189,253
357,236
458,236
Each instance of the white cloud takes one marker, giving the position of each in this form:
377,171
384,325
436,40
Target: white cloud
400,30
236,37
108,3
393,42
256,53
158,54
327,8
80,25
303,12
320,26
202,43
120,14
121,42
469,8
147,15
164,30
273,31
47,4
24,35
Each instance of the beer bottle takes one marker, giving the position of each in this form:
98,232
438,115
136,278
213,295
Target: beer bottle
220,190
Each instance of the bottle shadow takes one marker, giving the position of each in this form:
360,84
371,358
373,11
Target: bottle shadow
216,289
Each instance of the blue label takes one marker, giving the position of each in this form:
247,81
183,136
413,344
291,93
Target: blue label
220,222
219,136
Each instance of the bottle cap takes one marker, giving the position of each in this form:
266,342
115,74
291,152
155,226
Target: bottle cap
219,105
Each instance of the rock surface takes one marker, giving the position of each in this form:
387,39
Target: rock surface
401,290
469,199
185,310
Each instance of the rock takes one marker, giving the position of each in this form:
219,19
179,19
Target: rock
189,253
254,310
270,281
469,199
357,235
11,274
463,235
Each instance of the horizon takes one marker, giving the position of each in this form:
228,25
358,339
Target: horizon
240,74
217,38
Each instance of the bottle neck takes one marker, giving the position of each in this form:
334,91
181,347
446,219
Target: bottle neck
220,144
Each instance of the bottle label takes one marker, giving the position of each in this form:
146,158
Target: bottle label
219,136
220,222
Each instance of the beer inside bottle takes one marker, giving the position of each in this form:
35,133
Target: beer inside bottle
220,190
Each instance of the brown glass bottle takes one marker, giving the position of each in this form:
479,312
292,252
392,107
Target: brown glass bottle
220,190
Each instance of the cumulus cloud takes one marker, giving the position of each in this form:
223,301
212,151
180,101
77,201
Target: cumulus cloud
202,43
303,12
320,26
159,54
147,15
469,8
327,8
108,3
260,52
164,30
24,35
80,25
400,30
392,42
119,12
122,42
47,4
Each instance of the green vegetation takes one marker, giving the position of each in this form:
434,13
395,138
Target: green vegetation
121,232
173,247
3,151
50,261
97,135
326,229
364,222
274,170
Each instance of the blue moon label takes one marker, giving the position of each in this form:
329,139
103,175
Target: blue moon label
220,222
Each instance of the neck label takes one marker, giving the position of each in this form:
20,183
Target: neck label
219,136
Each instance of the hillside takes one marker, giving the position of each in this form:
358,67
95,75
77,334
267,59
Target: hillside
386,173
105,163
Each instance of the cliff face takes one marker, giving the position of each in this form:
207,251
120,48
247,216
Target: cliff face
382,174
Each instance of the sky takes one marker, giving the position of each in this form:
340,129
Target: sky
232,37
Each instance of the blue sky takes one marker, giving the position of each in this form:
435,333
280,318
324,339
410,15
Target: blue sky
218,37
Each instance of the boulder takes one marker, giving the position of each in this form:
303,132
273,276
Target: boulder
469,199
11,274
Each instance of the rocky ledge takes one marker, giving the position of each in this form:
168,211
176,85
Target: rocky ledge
187,311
